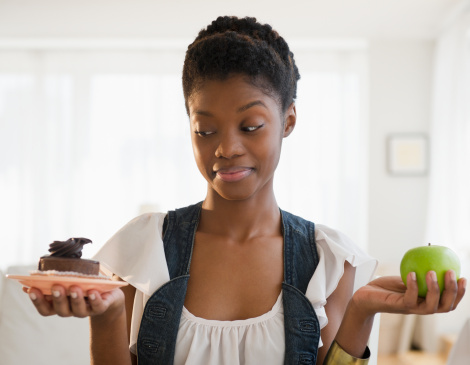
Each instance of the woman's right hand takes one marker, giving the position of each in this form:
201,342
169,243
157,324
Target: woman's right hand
77,304
108,312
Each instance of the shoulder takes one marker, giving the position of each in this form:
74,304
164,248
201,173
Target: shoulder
324,232
297,223
136,251
189,214
300,232
337,251
137,231
144,221
337,246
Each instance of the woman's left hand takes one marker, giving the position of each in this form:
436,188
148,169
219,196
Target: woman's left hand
389,294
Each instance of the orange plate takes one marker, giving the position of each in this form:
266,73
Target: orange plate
44,283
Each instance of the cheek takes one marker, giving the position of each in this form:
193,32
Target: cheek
201,156
196,151
270,154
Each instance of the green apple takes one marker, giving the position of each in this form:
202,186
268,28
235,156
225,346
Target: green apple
429,258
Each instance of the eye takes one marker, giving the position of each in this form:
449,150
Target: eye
203,133
252,128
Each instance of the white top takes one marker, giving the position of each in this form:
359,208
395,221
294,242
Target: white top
136,254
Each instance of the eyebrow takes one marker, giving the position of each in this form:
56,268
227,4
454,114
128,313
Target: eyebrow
239,110
252,104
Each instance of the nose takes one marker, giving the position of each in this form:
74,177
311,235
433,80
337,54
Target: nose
230,146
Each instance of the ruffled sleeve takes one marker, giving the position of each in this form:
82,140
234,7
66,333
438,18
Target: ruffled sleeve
136,254
334,248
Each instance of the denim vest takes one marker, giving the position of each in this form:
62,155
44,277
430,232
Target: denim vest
162,314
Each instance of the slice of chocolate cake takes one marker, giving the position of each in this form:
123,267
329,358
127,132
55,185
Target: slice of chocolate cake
65,256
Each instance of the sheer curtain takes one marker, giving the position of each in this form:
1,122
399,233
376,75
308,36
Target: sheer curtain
323,170
449,193
89,139
448,221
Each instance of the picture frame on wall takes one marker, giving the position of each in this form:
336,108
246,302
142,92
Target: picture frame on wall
407,154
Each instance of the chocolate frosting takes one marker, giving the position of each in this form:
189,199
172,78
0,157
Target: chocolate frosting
71,248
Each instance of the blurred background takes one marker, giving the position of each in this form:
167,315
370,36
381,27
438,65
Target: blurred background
93,129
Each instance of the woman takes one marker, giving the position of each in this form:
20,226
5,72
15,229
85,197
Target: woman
234,279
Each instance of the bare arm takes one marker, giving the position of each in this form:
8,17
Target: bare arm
110,332
108,338
335,309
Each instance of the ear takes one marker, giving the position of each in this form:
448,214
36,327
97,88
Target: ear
290,117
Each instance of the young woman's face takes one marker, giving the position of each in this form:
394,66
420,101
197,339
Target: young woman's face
237,132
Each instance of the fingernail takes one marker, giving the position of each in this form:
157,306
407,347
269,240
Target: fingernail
433,275
33,296
413,276
452,274
92,296
73,295
56,293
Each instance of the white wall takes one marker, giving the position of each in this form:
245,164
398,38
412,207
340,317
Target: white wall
400,91
184,18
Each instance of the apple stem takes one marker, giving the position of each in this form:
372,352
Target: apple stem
429,244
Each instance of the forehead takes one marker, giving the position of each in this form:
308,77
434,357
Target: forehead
231,93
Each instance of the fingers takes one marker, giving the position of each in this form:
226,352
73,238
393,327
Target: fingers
82,306
417,305
60,301
411,295
449,295
431,304
108,301
76,304
453,292
43,306
388,296
96,302
461,288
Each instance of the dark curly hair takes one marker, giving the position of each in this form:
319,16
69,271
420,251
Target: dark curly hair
232,45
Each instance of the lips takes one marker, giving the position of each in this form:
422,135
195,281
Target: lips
233,174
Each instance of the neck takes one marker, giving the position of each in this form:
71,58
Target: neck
240,220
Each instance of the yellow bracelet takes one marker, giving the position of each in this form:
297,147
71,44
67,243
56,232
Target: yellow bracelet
337,356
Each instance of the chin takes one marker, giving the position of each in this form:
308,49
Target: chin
235,194
235,197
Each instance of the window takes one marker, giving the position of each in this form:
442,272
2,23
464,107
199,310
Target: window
89,139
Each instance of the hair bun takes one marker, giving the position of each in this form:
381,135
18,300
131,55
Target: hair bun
241,45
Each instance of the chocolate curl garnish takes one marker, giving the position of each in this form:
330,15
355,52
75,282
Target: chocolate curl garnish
71,248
